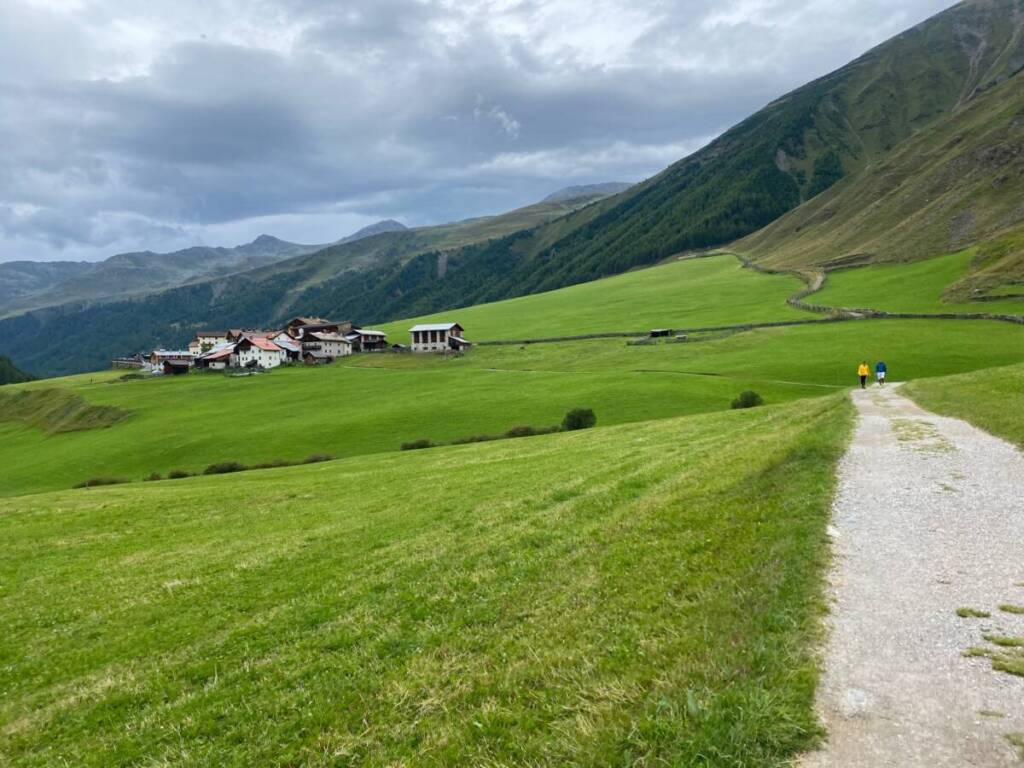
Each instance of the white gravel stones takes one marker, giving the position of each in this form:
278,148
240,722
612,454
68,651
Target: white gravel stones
929,518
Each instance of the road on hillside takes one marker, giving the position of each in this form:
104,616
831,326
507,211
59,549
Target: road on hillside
928,519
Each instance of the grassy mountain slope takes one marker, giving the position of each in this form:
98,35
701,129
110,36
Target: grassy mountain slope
958,182
502,604
929,286
686,293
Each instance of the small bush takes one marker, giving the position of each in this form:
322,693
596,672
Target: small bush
528,431
317,457
93,482
225,467
475,439
748,399
177,474
153,476
272,464
416,445
579,418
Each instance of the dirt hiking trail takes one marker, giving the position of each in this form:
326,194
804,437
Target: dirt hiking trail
928,519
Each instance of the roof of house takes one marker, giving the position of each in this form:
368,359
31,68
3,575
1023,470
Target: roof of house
262,342
367,332
316,353
290,344
460,340
219,352
172,353
323,336
177,363
434,327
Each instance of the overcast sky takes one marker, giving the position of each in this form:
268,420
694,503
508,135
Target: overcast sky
128,125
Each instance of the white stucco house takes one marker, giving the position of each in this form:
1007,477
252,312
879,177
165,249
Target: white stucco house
438,337
259,351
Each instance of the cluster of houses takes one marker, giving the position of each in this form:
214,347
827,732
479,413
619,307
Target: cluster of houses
309,340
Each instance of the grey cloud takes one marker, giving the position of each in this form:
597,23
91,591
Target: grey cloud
144,125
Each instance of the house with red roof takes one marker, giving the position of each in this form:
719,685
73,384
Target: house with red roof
257,352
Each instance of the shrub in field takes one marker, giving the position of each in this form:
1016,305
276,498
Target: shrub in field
579,418
224,467
528,431
153,476
92,482
317,457
416,445
748,399
177,474
474,439
272,464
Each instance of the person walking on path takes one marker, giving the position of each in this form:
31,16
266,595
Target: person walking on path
880,371
863,372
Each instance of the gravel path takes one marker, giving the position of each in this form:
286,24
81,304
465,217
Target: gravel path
929,518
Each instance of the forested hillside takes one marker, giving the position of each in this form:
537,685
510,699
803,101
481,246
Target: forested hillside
9,374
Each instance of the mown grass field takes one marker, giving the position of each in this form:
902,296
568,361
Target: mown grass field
913,287
648,594
374,403
990,399
690,293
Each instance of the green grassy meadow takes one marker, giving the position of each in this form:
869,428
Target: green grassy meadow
672,295
373,403
989,399
647,594
913,287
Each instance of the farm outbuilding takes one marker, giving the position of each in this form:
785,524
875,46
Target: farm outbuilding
438,337
365,340
175,367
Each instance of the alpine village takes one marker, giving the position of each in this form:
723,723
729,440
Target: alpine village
306,340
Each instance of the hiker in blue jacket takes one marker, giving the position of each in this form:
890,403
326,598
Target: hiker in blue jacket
880,371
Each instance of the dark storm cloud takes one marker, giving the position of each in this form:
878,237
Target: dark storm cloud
127,126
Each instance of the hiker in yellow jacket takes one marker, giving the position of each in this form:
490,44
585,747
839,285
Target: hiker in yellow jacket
863,372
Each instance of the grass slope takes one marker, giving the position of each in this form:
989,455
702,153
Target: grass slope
648,594
684,293
915,287
988,399
374,403
955,183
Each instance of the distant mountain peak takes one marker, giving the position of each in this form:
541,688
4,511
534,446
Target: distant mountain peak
267,240
587,190
385,225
